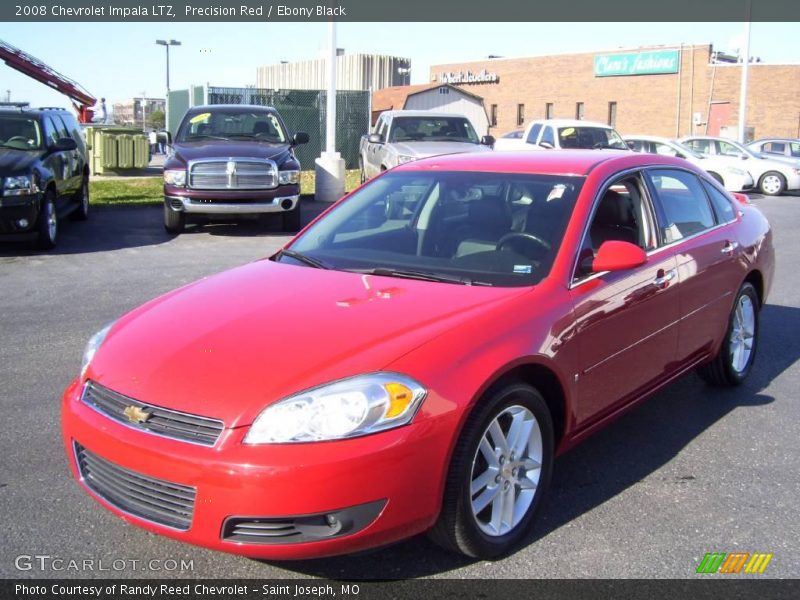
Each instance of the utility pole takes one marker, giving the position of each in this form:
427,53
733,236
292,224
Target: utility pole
745,69
329,167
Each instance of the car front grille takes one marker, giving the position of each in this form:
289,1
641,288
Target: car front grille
155,500
234,174
152,419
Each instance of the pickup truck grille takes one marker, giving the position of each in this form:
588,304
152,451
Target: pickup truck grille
233,174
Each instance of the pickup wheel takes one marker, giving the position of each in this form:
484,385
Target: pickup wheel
174,221
361,168
291,220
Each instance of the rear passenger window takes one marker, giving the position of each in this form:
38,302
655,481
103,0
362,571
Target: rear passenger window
722,205
547,136
537,127
684,209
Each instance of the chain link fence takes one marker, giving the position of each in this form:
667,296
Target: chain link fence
302,110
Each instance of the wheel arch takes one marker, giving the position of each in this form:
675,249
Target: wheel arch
755,278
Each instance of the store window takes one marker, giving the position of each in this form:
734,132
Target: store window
579,111
612,114
548,110
520,114
493,115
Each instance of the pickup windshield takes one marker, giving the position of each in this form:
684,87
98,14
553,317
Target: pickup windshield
468,228
590,137
432,129
234,123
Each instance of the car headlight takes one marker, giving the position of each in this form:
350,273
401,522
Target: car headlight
93,346
344,409
287,177
18,186
403,158
175,177
735,171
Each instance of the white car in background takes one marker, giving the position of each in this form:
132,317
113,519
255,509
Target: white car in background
728,170
562,134
772,177
785,149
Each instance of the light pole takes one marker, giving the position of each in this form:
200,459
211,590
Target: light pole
167,44
144,111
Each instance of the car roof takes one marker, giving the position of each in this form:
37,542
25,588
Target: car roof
774,139
650,138
556,162
32,110
572,123
422,113
213,107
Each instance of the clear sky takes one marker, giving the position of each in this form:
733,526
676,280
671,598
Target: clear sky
121,60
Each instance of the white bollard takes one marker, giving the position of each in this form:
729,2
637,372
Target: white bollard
329,177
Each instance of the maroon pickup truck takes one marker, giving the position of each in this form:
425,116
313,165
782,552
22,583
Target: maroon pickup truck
229,160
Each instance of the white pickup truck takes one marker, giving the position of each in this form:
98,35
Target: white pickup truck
400,136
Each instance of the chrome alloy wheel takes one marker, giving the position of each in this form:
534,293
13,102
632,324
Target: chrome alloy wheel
742,333
506,470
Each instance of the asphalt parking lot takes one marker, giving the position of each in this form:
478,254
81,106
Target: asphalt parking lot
694,470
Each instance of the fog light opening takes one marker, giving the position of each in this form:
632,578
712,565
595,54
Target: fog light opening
286,204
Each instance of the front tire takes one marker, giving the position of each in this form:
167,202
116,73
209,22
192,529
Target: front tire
48,222
361,168
772,183
733,362
291,220
499,474
174,221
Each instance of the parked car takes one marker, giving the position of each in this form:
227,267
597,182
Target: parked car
400,136
772,177
778,148
44,173
560,134
232,161
383,376
726,170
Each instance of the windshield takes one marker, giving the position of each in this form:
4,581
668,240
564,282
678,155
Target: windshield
237,124
432,129
20,132
472,228
590,137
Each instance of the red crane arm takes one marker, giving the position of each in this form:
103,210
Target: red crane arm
35,68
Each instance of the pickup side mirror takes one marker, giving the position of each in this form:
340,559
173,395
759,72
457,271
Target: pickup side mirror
64,144
488,140
374,138
301,137
547,145
615,255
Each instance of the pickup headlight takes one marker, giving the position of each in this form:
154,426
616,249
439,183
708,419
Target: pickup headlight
175,177
344,409
18,186
403,158
287,177
93,346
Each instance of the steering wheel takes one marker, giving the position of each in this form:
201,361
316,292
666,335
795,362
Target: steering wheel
523,235
17,138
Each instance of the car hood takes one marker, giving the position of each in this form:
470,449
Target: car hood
184,152
230,345
16,162
425,149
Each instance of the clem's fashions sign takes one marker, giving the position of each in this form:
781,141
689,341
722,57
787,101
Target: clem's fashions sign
637,63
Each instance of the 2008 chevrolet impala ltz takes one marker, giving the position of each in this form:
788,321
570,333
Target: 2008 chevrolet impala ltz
417,356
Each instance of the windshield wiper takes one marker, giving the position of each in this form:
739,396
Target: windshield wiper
305,259
421,275
204,136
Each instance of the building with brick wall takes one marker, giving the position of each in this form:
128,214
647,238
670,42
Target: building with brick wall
668,91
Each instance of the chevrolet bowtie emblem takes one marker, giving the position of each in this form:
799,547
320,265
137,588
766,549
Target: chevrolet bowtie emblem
135,414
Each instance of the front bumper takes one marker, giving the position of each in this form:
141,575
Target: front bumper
400,471
738,183
214,207
16,208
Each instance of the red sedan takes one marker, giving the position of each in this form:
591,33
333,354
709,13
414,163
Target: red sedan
415,359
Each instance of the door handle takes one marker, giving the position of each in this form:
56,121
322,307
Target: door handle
729,247
663,278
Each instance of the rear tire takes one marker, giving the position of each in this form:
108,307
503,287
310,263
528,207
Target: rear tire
291,220
82,197
733,362
47,226
499,474
174,221
772,183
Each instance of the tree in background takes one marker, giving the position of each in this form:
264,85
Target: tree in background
157,119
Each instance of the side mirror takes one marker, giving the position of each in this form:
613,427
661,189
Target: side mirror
614,255
301,137
374,138
488,140
64,144
547,145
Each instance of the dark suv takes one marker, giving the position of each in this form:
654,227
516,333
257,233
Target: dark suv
44,175
232,160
